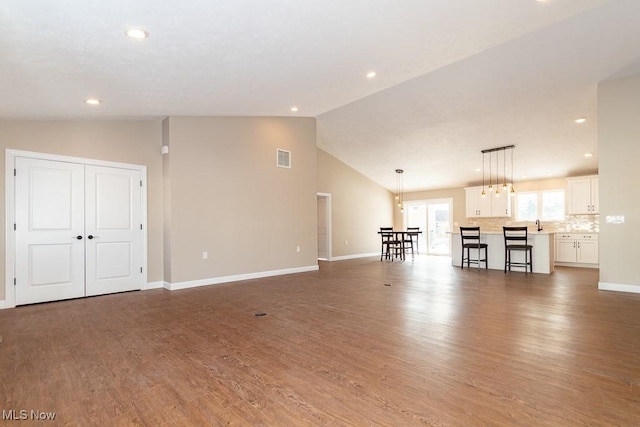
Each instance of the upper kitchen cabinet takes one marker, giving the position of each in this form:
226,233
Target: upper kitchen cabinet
583,195
488,206
476,205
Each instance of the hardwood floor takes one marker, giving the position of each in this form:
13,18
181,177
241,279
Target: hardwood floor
440,346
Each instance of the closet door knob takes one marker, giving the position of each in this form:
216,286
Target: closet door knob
79,237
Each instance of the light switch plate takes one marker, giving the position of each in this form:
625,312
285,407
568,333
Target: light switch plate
614,219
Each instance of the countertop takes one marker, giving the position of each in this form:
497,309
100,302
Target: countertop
531,233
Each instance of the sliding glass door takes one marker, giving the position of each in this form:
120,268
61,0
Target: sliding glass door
434,217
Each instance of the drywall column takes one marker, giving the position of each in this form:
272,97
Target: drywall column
619,151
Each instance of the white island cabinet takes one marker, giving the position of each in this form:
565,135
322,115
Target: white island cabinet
543,250
577,249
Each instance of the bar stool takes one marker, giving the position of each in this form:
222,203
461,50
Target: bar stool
414,236
390,244
516,239
407,244
471,240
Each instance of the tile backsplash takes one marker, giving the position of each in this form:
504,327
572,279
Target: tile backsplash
584,223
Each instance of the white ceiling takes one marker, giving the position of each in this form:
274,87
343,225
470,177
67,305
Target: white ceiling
453,76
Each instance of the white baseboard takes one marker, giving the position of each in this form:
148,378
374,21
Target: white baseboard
226,279
154,285
618,287
3,304
344,257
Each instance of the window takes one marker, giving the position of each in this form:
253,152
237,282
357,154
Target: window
527,206
547,205
552,205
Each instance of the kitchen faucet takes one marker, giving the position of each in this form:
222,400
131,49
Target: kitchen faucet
539,225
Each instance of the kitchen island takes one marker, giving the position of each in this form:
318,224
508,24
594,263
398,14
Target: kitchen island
543,250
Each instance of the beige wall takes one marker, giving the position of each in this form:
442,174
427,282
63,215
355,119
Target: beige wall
359,207
136,142
226,196
619,152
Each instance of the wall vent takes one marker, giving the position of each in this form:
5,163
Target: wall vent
284,158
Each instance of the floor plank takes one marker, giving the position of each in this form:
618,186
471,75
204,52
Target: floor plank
440,346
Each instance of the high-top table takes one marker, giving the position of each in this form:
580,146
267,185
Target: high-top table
542,242
400,235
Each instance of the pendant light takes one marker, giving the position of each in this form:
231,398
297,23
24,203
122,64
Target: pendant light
505,186
399,190
504,171
490,184
483,194
497,174
513,190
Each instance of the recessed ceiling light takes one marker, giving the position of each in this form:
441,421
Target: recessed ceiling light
137,33
588,154
581,120
371,74
92,101
294,109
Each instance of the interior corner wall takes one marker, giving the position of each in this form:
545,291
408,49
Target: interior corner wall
229,199
166,203
619,175
136,142
359,207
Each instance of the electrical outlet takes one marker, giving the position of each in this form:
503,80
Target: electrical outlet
297,248
346,242
205,255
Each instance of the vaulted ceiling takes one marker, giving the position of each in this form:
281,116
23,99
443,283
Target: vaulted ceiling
453,77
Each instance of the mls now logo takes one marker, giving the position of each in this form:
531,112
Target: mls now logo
12,414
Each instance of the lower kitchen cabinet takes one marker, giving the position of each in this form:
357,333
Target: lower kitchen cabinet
577,248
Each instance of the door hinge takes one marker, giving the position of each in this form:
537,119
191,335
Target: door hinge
14,172
14,227
140,183
140,226
140,270
14,281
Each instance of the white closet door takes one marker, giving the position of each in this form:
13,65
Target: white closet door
113,241
49,236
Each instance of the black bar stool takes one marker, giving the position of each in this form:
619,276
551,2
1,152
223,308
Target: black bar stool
390,244
516,239
414,236
471,240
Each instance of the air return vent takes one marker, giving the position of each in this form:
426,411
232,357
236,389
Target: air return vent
284,158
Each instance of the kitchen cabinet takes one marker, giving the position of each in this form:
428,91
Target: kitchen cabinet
476,205
578,248
583,195
488,206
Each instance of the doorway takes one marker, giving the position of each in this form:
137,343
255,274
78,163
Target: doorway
324,226
75,227
434,217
